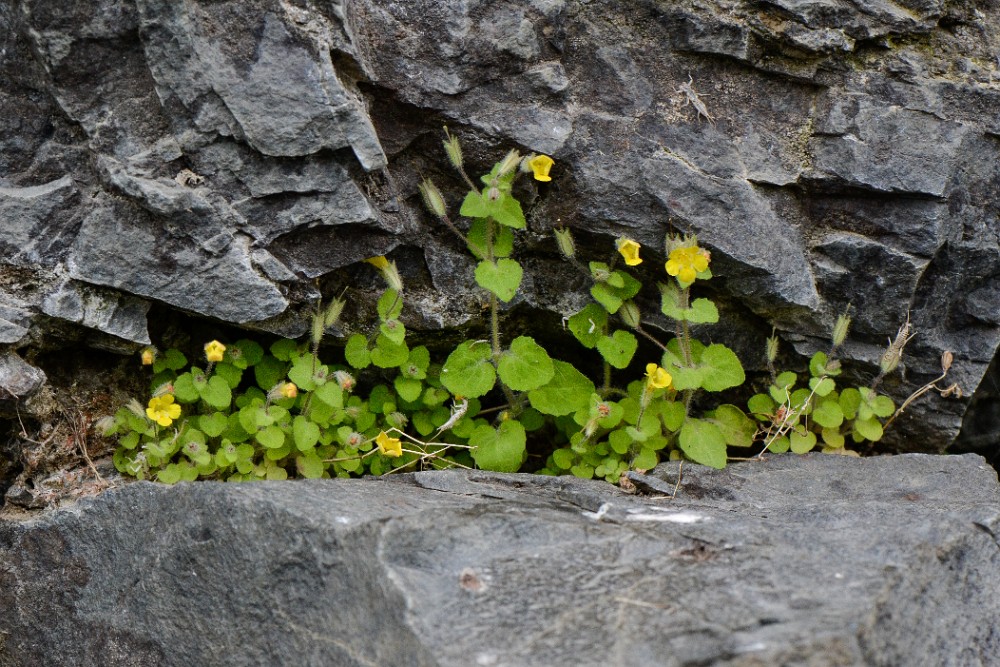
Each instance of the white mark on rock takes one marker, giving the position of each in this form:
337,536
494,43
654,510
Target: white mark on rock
667,516
599,514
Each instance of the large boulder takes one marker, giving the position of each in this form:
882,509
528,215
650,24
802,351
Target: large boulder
795,560
220,157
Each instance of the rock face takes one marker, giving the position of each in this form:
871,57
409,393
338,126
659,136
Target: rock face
217,157
813,560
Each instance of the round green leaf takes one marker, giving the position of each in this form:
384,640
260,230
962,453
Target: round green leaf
271,437
305,433
703,442
525,365
309,466
217,393
722,368
269,371
618,348
184,389
736,427
801,442
589,325
500,450
408,389
569,390
564,458
356,353
828,414
646,459
467,371
822,386
502,278
214,424
388,353
869,429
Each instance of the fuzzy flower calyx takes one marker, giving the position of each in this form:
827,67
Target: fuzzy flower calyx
540,166
657,378
214,351
629,249
379,262
163,410
687,262
388,446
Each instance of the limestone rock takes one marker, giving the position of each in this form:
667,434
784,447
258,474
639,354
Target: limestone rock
811,560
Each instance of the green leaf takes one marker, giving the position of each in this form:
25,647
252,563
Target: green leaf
801,442
184,389
762,407
525,365
850,400
394,331
305,433
408,389
388,353
171,359
417,364
245,353
284,349
703,442
701,311
833,438
331,394
301,373
722,368
310,466
269,372
271,437
502,278
217,393
828,414
882,406
230,373
500,450
607,296
564,458
589,325
819,366
214,424
618,348
646,459
475,206
737,429
583,471
672,413
390,305
356,352
503,239
869,429
822,386
569,390
507,211
467,371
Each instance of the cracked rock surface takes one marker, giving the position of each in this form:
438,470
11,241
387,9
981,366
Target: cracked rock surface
234,159
805,560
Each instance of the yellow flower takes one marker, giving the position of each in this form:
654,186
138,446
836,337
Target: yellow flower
163,410
214,351
148,355
657,378
388,446
380,262
686,263
629,249
289,390
540,165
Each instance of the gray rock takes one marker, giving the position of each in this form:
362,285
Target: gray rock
812,560
18,380
104,310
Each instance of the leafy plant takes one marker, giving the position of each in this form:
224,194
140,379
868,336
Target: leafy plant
243,412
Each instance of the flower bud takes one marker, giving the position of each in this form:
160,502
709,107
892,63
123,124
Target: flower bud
509,163
630,314
397,419
344,379
392,279
214,351
772,349
317,328
148,355
840,330
433,199
946,360
289,390
565,240
493,193
333,312
453,149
